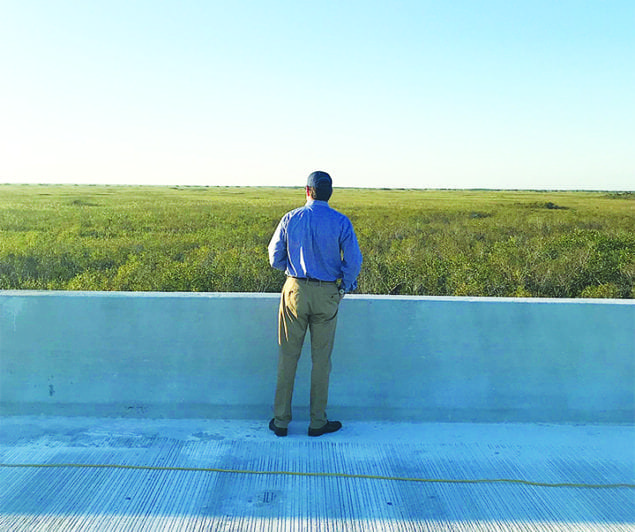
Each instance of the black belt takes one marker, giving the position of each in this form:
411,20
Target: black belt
311,280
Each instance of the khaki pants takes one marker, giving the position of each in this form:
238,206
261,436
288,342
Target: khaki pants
305,303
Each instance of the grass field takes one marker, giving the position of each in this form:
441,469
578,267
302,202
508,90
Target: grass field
419,242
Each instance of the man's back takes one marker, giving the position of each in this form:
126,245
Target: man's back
316,241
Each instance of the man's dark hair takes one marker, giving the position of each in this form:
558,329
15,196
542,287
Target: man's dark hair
321,193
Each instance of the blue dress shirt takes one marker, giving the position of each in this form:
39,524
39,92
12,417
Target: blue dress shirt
318,242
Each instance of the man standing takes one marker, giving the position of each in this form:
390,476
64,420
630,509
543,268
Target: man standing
317,248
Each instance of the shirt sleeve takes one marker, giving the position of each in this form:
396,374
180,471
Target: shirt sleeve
278,247
351,258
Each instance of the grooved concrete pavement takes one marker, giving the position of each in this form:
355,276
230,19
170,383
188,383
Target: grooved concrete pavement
259,485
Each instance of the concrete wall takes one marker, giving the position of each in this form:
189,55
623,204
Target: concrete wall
417,358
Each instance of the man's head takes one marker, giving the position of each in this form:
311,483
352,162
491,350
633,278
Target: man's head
319,186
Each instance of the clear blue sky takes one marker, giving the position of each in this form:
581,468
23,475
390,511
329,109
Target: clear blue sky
425,94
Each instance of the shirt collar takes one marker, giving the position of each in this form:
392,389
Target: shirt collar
312,201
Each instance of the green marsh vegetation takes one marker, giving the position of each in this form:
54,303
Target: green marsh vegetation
415,242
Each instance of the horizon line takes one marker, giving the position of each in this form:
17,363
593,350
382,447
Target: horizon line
458,189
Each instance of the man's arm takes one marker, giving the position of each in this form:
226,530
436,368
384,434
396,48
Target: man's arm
278,248
351,258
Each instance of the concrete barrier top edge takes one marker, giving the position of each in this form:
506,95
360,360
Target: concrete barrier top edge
263,295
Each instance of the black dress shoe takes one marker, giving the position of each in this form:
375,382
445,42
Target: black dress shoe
331,426
279,431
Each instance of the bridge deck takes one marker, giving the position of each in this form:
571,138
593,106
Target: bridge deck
236,475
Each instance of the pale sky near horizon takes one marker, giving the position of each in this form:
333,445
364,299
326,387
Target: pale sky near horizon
419,94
